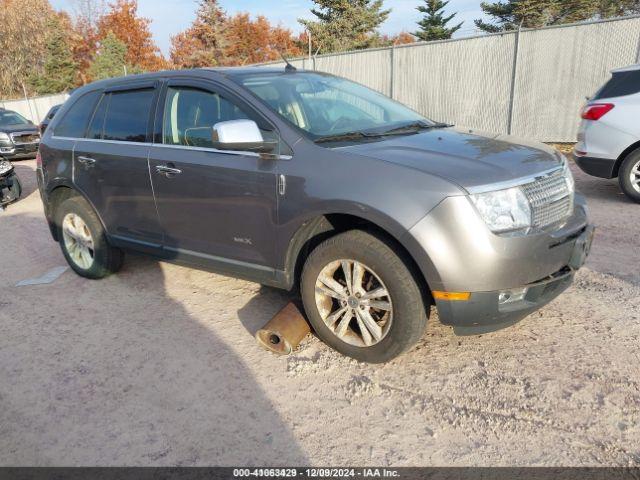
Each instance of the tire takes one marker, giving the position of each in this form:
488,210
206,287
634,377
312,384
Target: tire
105,259
630,170
407,311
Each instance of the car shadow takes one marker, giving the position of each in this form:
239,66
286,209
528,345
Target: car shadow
122,371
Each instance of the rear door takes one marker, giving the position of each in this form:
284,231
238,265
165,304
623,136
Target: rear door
219,207
110,165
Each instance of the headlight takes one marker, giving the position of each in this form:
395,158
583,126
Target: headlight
571,183
5,167
504,210
4,137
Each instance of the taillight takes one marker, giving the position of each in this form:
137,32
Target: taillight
38,159
596,111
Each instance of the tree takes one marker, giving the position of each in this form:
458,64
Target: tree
83,36
510,14
204,43
433,25
133,31
23,46
60,67
346,24
215,39
255,41
111,59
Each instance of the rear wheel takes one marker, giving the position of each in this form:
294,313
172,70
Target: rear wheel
629,176
361,298
83,240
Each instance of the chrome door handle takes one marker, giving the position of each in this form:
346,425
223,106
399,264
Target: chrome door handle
167,171
86,161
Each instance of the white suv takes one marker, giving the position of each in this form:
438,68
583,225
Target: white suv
609,137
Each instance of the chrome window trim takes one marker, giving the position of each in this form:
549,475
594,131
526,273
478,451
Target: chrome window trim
163,145
517,182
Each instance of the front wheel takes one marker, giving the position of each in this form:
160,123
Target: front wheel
629,176
361,298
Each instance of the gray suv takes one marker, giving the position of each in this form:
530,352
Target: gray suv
304,180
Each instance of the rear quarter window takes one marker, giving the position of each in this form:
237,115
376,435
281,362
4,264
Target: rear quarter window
127,116
74,123
620,85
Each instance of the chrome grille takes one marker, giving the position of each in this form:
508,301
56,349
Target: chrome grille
20,138
551,200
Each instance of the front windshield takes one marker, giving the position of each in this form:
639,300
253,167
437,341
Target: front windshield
327,106
11,118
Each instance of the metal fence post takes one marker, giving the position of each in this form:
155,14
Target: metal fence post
512,93
638,54
392,80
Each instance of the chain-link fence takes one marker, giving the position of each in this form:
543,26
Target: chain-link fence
530,83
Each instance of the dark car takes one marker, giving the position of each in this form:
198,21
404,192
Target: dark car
19,137
48,117
295,178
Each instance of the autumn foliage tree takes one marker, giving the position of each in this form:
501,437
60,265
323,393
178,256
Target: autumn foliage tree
215,39
204,43
122,19
255,41
23,43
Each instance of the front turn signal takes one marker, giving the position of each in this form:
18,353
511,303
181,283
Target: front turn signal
455,296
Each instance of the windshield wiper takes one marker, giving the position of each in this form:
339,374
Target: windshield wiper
414,127
345,137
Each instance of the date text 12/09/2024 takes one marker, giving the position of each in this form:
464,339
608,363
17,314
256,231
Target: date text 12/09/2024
315,473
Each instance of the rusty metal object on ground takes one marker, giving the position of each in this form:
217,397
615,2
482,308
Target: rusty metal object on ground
284,331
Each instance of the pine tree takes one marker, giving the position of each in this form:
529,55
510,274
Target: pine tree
510,14
110,60
433,25
346,24
59,70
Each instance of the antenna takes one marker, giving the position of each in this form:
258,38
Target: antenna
289,68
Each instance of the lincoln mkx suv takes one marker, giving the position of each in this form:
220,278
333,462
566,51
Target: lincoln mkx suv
310,182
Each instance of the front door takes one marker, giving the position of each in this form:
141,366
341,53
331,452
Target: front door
111,167
214,206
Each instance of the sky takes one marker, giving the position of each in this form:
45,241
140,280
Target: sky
172,16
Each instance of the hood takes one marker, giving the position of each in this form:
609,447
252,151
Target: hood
468,158
23,127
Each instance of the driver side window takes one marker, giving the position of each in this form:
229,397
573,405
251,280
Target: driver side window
190,113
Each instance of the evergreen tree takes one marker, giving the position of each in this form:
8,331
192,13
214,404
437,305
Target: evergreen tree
110,60
346,24
59,70
510,14
433,25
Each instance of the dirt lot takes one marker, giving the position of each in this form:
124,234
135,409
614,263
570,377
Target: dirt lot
158,366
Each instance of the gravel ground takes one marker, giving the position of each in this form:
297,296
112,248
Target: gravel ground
158,366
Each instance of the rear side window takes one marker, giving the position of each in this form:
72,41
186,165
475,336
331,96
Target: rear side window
127,115
74,123
620,85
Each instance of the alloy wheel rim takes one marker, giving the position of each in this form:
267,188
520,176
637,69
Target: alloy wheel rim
353,302
634,177
78,241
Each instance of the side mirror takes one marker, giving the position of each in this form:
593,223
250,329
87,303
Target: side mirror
243,135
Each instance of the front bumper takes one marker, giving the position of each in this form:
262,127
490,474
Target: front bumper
19,152
596,167
457,253
484,308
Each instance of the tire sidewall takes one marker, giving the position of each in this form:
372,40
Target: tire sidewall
409,312
80,207
623,176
